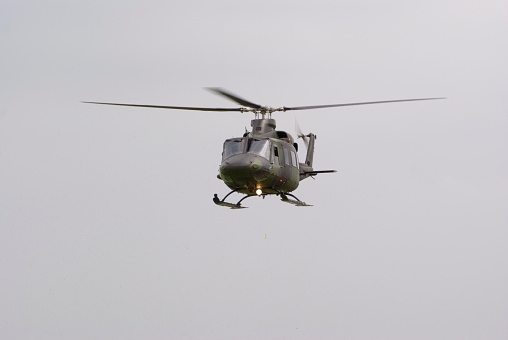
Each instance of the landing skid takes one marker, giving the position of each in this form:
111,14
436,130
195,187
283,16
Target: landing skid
284,198
296,201
217,201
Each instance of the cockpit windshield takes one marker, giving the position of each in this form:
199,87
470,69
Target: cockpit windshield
232,147
260,147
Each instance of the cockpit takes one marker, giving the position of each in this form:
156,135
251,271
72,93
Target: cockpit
259,147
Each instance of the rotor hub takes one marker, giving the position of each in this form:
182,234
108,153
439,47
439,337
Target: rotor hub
263,111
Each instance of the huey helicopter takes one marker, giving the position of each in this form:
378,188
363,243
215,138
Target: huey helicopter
264,161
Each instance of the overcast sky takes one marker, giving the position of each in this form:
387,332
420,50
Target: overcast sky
107,225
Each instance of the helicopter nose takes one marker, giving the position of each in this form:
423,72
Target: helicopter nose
243,164
242,169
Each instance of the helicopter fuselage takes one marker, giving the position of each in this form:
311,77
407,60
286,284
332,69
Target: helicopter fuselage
264,162
256,164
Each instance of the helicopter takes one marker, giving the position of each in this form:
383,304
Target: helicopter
263,161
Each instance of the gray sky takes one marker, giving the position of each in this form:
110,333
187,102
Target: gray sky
107,225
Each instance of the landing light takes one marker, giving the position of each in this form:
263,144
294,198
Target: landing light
259,192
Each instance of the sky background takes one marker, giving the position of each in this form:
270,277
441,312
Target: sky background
107,225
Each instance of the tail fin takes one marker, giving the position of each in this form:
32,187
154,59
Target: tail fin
310,150
306,168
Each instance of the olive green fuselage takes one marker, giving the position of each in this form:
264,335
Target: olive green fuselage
273,172
263,159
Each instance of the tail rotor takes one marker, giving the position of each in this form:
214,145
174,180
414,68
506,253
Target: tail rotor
300,134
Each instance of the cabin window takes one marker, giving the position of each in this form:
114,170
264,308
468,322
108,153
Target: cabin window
287,160
232,147
260,147
276,155
294,160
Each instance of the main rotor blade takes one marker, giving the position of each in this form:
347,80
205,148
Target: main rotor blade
353,104
233,97
173,107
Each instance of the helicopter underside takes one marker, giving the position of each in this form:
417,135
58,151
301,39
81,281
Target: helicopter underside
272,185
253,176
